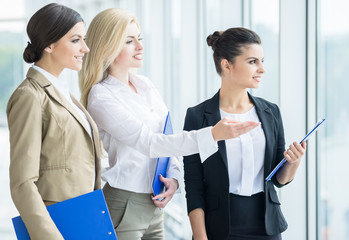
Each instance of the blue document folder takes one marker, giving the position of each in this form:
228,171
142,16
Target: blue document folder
282,162
84,217
161,166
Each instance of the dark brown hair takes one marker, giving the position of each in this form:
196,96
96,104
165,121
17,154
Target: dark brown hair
47,26
228,44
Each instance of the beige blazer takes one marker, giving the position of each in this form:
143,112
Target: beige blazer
53,157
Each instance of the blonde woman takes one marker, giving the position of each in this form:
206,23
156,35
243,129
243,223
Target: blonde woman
130,115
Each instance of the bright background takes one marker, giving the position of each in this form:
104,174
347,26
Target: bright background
306,47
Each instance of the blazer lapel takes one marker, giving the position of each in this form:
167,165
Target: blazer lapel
89,118
95,137
266,117
213,116
54,93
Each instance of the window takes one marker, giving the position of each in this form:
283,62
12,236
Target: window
12,31
333,98
265,22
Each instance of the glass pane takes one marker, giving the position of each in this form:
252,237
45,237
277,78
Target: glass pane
265,22
333,98
11,72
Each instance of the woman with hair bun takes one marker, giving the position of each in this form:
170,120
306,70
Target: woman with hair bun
227,197
54,141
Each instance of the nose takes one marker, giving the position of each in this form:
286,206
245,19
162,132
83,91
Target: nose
84,48
139,45
261,68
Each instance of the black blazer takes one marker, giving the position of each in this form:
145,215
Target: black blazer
207,183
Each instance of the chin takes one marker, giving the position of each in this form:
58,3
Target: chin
75,68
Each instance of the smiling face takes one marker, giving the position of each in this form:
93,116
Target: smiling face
68,51
131,56
247,69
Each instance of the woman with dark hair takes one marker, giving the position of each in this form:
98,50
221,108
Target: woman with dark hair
54,141
227,197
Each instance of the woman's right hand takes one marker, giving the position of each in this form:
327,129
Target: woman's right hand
228,128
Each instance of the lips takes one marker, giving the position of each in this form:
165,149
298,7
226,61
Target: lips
257,78
79,58
138,56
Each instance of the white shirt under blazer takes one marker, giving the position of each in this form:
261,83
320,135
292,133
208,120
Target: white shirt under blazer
131,125
245,156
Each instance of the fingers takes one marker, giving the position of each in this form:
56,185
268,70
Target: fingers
230,128
295,152
243,127
161,203
171,186
162,199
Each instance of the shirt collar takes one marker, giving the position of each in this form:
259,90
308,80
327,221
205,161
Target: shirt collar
59,83
138,81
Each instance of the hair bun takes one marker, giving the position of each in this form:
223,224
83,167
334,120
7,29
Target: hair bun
213,38
29,54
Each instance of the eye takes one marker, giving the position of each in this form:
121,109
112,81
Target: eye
76,40
129,41
140,39
252,62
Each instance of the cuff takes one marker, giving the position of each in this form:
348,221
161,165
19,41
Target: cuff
173,171
207,145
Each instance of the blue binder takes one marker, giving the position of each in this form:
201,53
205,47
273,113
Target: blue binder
161,165
83,217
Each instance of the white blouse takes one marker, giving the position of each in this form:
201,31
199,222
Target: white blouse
131,125
245,156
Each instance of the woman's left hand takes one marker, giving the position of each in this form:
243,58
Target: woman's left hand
171,186
295,152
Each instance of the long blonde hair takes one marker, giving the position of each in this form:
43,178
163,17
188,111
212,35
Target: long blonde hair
105,37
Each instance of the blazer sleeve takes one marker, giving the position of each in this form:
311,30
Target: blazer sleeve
193,169
280,145
25,125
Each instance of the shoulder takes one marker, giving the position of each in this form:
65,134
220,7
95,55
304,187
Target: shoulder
263,104
202,107
198,110
105,88
194,118
27,95
27,89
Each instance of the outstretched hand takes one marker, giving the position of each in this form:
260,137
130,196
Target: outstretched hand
171,186
230,128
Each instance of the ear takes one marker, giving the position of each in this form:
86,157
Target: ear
225,65
49,48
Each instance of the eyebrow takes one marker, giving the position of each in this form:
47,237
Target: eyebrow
76,35
254,58
133,36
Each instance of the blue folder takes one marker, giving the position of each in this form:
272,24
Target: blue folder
83,217
282,162
161,165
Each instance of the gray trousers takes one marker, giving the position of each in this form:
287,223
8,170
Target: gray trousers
134,215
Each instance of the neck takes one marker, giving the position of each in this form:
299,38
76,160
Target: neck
233,99
49,66
121,75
